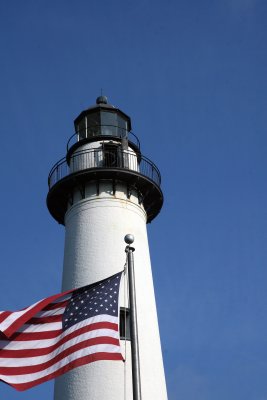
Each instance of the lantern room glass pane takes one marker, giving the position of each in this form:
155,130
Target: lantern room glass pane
93,124
123,126
109,123
80,129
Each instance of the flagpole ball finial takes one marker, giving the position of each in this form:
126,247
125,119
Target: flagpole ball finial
129,239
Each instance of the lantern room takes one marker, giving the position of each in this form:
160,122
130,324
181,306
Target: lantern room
103,119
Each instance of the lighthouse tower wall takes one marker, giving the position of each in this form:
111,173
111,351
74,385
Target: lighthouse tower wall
94,250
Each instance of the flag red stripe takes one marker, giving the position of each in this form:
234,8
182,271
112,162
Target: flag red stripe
4,315
29,314
46,350
45,320
73,364
41,367
21,336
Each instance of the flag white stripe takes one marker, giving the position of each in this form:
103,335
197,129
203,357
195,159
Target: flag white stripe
44,343
55,311
16,379
14,316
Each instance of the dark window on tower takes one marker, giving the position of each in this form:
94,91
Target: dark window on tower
111,155
125,323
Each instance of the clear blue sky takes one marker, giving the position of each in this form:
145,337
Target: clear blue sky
192,75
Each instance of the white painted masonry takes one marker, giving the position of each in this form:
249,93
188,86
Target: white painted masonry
95,249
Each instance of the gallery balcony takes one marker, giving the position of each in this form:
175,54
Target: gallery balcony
104,164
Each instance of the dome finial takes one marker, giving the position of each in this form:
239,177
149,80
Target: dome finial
102,100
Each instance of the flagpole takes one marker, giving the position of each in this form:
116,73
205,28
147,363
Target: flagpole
129,239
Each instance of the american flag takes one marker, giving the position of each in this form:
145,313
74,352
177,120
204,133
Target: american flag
60,333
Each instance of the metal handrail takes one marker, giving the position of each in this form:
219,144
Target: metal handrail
131,136
102,158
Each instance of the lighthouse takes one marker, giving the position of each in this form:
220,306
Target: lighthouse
103,189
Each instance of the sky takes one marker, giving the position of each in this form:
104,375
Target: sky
192,76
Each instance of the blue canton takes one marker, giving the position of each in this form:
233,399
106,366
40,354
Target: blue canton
92,300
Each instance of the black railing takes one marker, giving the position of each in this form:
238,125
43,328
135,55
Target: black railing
102,131
104,158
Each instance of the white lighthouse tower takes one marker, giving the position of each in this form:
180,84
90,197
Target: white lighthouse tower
102,190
